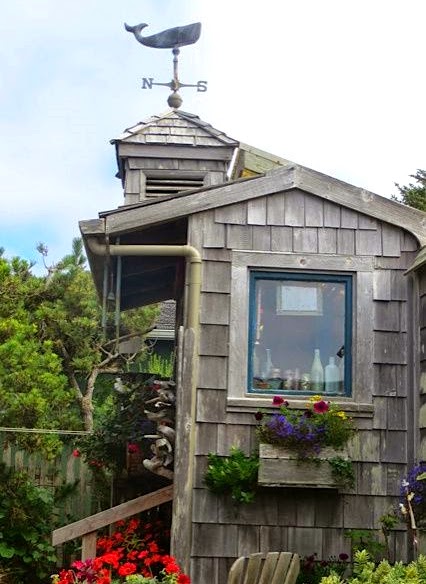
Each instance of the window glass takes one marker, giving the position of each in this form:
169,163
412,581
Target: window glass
300,333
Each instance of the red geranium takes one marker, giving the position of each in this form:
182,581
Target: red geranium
126,569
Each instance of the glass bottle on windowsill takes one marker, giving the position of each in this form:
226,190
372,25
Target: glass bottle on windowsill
317,373
268,366
332,376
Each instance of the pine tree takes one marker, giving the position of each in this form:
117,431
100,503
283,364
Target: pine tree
414,195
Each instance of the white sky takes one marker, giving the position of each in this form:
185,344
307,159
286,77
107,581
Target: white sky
337,85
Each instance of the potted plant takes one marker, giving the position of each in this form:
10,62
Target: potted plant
305,447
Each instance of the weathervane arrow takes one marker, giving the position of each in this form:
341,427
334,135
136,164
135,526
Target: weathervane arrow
172,38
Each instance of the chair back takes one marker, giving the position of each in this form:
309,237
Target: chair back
265,568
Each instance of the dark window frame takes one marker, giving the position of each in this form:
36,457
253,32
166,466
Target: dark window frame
286,275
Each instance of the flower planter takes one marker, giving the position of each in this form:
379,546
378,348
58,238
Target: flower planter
280,467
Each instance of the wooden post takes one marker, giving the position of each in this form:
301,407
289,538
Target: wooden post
88,549
182,515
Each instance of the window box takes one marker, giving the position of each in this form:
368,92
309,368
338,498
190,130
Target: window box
280,467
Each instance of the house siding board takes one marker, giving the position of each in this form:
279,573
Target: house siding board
331,214
281,239
275,209
261,238
239,237
314,211
256,211
295,209
327,240
345,241
296,519
216,277
211,406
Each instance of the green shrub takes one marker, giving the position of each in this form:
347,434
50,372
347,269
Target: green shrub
25,530
367,572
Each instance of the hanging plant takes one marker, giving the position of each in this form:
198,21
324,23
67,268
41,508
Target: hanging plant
235,474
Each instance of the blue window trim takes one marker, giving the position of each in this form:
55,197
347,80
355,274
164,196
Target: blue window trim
347,280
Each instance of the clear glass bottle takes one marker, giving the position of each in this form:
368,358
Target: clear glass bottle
317,373
268,365
331,376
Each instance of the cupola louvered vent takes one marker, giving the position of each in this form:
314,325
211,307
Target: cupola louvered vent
156,187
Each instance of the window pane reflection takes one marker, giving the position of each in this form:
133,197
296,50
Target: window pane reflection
298,331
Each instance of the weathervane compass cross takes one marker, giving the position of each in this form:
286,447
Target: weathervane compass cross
172,38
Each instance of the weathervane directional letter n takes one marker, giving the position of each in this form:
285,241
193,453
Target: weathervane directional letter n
147,82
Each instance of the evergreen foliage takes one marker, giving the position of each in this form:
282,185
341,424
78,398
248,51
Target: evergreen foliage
414,195
53,348
26,554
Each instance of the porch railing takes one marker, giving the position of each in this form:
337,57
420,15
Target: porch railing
87,528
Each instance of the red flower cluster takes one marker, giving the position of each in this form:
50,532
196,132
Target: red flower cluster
131,549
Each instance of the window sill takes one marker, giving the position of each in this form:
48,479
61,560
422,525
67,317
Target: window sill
253,403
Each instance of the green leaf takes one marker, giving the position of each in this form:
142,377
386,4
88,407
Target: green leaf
6,552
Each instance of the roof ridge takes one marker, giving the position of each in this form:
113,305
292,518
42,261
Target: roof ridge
193,119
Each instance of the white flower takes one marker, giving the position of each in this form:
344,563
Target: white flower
405,483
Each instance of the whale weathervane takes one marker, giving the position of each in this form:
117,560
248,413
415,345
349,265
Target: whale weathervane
172,38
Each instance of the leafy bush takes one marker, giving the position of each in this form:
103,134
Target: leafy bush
235,474
366,571
25,549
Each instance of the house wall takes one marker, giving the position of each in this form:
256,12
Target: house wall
305,231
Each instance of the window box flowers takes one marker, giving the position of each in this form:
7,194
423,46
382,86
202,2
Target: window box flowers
305,448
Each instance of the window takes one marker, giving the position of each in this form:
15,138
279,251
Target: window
300,333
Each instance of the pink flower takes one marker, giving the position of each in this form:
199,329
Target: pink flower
76,453
320,407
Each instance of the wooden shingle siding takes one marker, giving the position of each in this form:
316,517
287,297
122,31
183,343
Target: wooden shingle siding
327,240
261,238
387,316
214,308
294,209
239,237
256,212
216,277
281,239
214,340
345,241
331,214
232,214
390,348
212,372
349,219
275,209
314,211
302,231
211,406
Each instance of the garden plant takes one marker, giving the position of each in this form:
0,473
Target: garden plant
135,553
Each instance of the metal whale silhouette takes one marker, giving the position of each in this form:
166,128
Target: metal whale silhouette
171,38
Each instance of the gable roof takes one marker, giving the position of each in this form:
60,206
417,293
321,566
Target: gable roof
175,127
131,218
